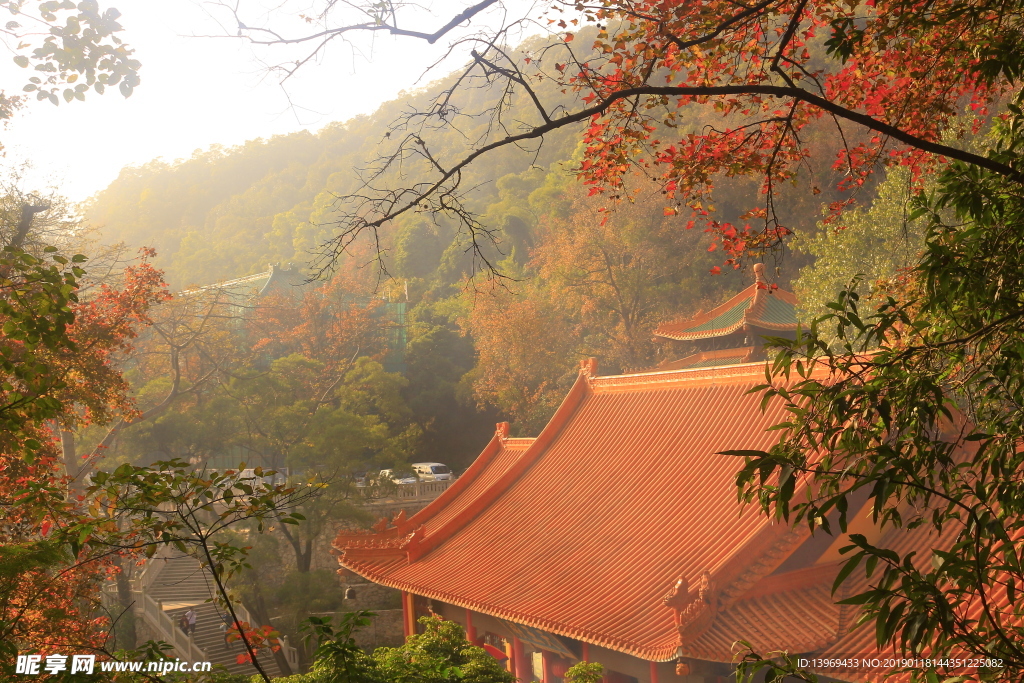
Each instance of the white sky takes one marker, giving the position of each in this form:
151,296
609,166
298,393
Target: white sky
199,91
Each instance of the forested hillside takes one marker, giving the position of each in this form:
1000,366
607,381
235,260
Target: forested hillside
578,282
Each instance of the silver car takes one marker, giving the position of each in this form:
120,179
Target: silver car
432,471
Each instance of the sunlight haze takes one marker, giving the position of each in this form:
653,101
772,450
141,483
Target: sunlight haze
199,91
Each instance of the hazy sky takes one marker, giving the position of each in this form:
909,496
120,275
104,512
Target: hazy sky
198,91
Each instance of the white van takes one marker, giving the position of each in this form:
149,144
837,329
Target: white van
432,471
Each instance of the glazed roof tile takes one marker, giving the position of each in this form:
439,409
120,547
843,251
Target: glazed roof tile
584,531
715,362
568,534
506,452
805,619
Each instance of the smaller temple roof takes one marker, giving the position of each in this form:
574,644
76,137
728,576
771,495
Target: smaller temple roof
284,278
756,308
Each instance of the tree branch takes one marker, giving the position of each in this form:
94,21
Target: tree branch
28,212
371,26
796,94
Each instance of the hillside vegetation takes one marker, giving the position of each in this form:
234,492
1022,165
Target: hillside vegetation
578,283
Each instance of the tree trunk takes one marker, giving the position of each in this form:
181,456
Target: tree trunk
305,558
125,637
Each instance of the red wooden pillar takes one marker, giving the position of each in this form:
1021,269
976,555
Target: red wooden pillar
520,662
408,614
586,652
654,672
470,630
547,661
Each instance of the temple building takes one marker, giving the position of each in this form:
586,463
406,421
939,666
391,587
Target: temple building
615,536
733,332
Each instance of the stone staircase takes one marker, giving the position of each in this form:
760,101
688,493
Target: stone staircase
181,583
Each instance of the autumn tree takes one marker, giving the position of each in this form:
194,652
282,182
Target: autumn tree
329,322
772,71
58,359
619,274
285,380
59,368
520,369
918,404
594,284
179,357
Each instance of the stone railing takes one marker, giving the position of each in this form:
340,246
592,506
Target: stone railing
153,613
417,491
147,575
155,617
291,655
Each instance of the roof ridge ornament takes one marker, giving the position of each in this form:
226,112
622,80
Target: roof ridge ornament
759,279
694,610
501,429
588,367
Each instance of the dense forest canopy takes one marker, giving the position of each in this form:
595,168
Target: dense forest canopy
598,285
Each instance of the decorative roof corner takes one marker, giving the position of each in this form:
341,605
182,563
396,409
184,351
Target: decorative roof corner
694,610
588,368
386,542
501,429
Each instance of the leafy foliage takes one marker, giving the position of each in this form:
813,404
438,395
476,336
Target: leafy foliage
79,43
874,244
585,672
441,653
919,411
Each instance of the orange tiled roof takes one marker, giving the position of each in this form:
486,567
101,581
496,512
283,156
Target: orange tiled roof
756,308
618,526
584,531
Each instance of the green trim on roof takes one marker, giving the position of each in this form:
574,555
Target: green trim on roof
715,362
778,312
726,319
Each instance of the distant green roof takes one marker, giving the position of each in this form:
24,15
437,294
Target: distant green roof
778,312
727,319
757,308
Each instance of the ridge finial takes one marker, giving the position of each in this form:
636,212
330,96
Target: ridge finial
588,367
759,274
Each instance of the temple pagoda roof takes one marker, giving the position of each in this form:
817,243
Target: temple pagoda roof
618,526
622,499
758,308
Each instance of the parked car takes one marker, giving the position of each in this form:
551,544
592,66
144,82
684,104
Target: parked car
398,478
432,471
